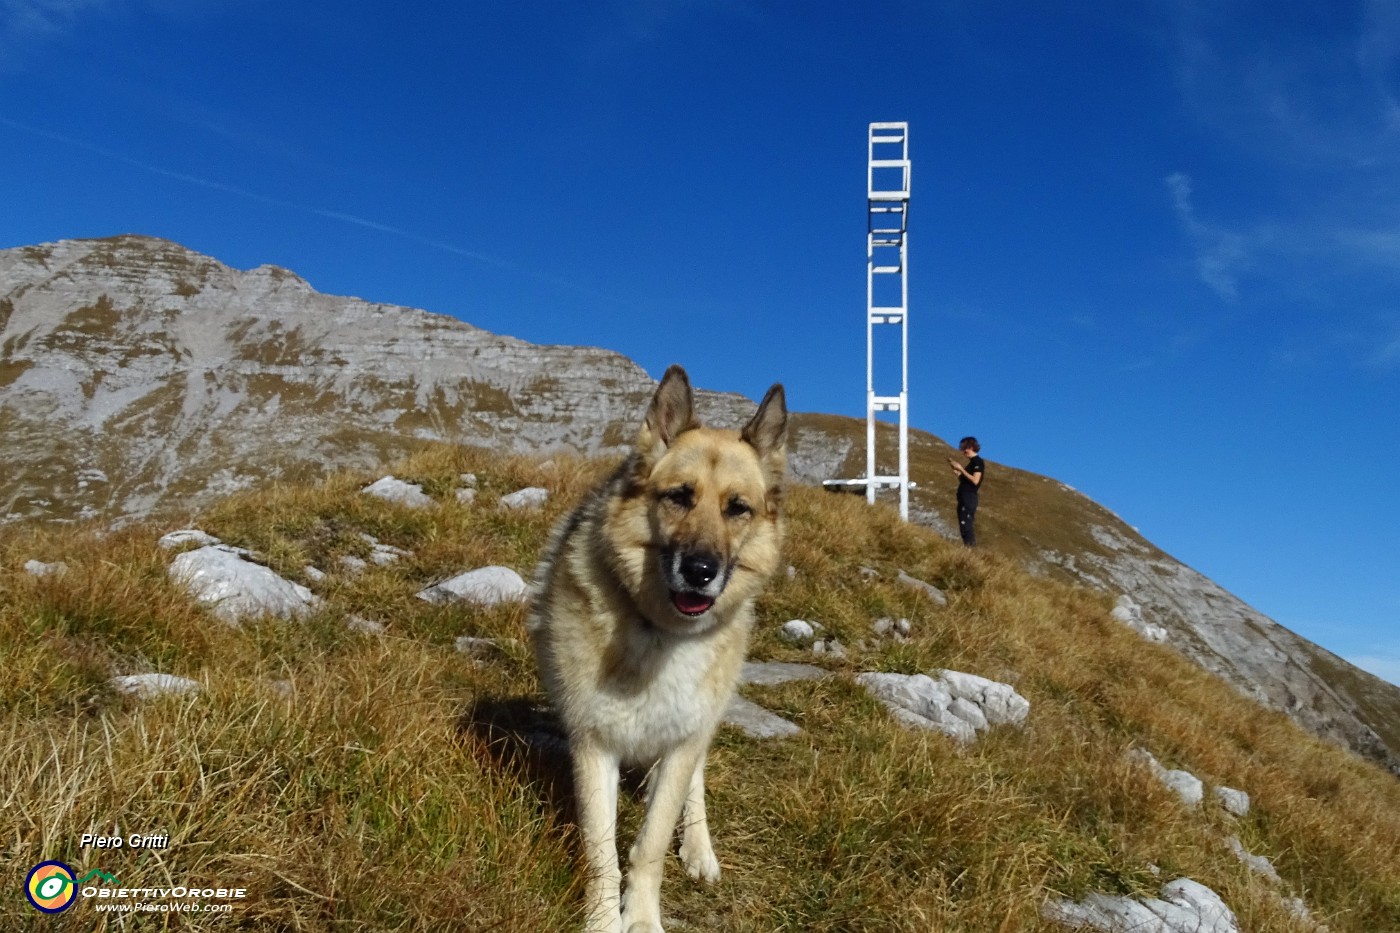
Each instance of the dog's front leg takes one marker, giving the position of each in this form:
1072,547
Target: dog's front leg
595,788
697,854
667,788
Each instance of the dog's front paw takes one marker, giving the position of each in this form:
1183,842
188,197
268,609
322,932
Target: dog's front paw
645,926
700,861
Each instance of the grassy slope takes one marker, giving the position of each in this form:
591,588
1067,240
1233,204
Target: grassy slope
1025,515
371,782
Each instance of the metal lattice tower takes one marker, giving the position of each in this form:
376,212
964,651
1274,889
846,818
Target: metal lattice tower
887,296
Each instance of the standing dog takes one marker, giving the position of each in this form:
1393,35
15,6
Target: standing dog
645,601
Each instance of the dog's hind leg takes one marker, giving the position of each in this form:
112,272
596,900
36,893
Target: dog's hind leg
668,786
595,783
697,854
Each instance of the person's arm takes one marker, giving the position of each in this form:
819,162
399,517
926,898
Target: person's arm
974,478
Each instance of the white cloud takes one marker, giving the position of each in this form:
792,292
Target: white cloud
1310,118
1220,254
1292,93
1304,255
1374,247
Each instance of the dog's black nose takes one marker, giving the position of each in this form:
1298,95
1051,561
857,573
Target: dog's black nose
699,569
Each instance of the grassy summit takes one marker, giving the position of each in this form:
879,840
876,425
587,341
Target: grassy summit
356,781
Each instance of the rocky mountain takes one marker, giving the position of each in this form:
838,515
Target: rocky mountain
138,377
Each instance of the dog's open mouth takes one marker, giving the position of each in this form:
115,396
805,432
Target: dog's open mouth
691,604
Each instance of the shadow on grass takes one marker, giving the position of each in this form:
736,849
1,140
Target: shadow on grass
522,737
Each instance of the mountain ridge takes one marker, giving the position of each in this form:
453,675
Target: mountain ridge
138,377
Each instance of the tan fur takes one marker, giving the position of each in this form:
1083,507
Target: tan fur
635,679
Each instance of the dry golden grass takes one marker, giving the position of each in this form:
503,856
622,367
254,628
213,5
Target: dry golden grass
376,782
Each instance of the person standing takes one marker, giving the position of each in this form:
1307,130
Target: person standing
969,485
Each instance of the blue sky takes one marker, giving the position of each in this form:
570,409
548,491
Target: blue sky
1154,246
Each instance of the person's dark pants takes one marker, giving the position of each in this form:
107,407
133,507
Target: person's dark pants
967,511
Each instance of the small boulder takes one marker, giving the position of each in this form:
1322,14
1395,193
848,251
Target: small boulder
38,568
382,554
150,686
772,673
898,629
364,626
236,588
485,586
531,497
1130,614
1258,864
757,722
1185,784
391,489
797,632
1234,801
187,536
486,649
352,565
928,589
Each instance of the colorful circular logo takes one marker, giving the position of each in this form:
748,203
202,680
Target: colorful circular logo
51,887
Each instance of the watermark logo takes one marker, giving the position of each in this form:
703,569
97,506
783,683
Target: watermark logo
99,873
51,887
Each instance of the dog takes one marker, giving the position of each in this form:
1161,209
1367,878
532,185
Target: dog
644,603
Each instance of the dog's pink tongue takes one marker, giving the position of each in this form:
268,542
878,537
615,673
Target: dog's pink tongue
692,604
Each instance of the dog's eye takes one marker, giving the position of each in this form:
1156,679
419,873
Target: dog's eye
682,496
736,508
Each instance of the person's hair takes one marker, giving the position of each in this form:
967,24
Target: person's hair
970,443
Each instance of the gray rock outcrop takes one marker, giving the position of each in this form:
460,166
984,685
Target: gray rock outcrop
1130,614
154,368
958,705
1185,906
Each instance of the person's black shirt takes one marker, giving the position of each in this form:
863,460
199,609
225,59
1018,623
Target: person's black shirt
967,489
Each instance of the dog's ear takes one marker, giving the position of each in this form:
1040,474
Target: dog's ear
766,432
672,412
